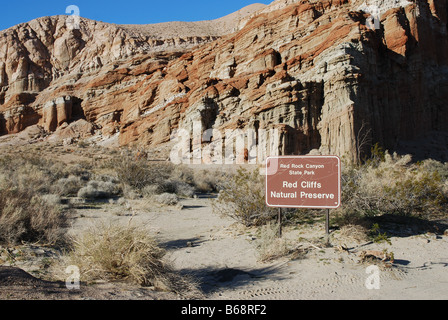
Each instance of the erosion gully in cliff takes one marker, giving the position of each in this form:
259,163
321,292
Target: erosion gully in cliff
313,69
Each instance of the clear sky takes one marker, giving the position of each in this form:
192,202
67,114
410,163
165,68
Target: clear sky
122,12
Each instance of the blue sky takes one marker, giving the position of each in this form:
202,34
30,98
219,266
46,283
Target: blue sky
122,12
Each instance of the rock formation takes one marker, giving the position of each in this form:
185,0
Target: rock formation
314,70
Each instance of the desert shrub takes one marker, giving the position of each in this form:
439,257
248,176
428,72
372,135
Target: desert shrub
183,173
243,199
28,218
99,190
168,199
436,166
139,173
154,178
269,246
106,178
390,184
109,252
353,233
184,189
124,253
418,191
164,177
29,178
177,187
29,209
207,181
130,193
151,190
32,174
68,186
51,199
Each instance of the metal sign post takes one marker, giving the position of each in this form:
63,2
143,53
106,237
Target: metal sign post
280,228
327,227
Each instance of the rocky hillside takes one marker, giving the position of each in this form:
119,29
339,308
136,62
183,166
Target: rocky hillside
313,69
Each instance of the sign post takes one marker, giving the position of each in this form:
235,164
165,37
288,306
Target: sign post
280,231
312,182
327,226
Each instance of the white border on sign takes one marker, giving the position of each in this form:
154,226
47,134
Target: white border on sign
305,157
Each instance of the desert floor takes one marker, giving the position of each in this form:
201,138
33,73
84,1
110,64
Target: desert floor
222,256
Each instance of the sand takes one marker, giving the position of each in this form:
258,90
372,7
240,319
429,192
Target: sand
222,256
224,249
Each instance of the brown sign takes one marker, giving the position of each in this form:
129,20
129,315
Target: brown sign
303,182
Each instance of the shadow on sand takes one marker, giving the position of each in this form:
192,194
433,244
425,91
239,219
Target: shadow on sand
181,243
214,279
406,226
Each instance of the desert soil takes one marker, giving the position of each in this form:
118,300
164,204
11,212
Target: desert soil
222,256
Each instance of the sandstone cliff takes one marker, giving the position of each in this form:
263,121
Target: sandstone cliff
312,69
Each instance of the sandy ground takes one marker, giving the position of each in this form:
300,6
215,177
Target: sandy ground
225,260
222,256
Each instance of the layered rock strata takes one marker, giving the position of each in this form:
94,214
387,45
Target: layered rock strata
314,70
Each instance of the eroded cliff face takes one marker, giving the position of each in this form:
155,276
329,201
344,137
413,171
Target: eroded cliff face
312,69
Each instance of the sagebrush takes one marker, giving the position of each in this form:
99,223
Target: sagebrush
29,211
29,218
243,198
392,184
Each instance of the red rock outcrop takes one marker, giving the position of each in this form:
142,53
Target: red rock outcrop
312,69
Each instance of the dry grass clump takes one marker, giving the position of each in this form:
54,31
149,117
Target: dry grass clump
174,187
40,175
29,212
125,253
139,173
28,174
99,190
207,181
68,186
353,233
150,178
111,252
269,246
153,178
243,199
182,189
168,199
29,218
